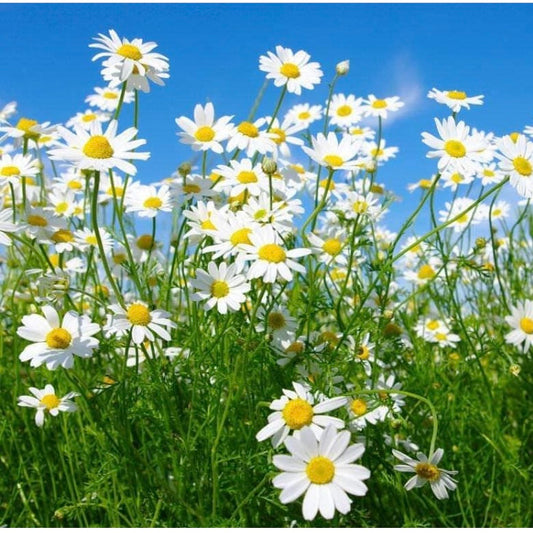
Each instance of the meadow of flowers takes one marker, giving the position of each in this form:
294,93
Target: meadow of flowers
246,342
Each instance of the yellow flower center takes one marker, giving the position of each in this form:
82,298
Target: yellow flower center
295,347
98,147
248,129
379,104
297,413
514,136
75,185
37,220
259,214
425,184
356,131
376,153
320,470
304,115
281,136
62,235
205,134
344,111
440,336
145,242
272,253
219,289
522,166
463,219
333,160
139,314
246,176
358,407
290,70
130,51
426,272
240,237
25,124
110,96
119,258
455,148
50,401
191,188
10,171
329,337
456,95
360,207
497,212
324,183
332,246
457,178
433,325
54,260
276,320
207,224
526,324
58,339
154,202
363,353
488,173
89,117
427,471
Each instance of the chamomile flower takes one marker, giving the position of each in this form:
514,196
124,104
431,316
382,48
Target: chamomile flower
453,179
128,57
96,150
363,411
303,115
454,210
194,188
269,259
329,247
55,342
425,272
380,107
427,471
516,159
147,201
249,137
321,468
455,100
241,176
332,153
283,135
108,98
12,168
40,223
26,129
85,119
63,203
456,149
138,319
521,320
46,401
344,111
279,322
205,133
86,240
221,286
291,69
295,410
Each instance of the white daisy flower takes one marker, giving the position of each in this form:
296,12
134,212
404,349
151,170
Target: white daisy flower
12,168
40,224
344,111
107,98
456,149
453,179
521,320
270,259
205,133
516,159
455,100
112,74
85,119
453,209
424,273
147,201
194,187
85,240
95,150
241,176
283,136
489,174
249,137
303,115
295,410
128,57
222,286
425,471
364,411
323,469
380,107
329,247
279,322
46,401
291,69
27,129
332,153
55,341
199,219
138,319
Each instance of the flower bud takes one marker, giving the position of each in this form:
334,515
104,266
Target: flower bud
269,166
185,169
343,67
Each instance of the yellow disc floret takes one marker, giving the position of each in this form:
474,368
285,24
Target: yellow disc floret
246,176
522,166
138,314
219,289
456,95
98,147
58,339
26,124
297,413
426,272
62,235
320,470
379,104
37,220
358,407
9,171
526,324
272,253
276,320
154,202
248,129
427,471
145,242
332,246
333,160
344,111
205,134
240,237
50,401
290,70
130,51
455,148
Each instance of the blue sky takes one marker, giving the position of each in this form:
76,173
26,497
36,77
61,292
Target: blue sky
396,49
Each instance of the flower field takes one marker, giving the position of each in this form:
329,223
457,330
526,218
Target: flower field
253,341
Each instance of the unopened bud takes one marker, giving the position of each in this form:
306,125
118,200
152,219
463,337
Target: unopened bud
343,67
269,166
185,169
